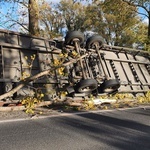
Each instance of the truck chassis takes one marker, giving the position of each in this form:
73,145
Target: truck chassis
92,66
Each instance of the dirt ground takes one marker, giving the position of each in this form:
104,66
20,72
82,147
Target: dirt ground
13,115
21,114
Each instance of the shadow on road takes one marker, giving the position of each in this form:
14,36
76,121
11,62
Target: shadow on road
117,133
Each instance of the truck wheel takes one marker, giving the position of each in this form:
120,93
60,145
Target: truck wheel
95,39
109,86
86,86
74,35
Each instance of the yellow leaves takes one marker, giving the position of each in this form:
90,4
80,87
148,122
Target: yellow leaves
56,62
30,101
103,97
74,54
116,105
126,100
63,93
144,99
147,95
60,70
59,61
40,95
24,75
105,107
122,96
32,57
88,105
29,64
26,57
40,112
140,100
63,55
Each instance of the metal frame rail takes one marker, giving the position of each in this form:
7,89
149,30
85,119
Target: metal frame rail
131,67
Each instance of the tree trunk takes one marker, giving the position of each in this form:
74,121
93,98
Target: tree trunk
149,25
33,11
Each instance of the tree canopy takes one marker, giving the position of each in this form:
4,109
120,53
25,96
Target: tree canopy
115,20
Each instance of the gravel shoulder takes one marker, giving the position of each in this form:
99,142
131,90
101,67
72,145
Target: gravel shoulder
46,111
21,114
13,115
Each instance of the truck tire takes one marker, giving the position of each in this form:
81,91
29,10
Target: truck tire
94,39
109,86
86,86
74,35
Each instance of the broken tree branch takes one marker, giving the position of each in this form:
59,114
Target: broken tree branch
35,77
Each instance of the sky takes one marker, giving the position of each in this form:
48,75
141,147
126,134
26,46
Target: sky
4,9
54,1
144,18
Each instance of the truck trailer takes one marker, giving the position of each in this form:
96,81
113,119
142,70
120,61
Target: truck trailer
77,66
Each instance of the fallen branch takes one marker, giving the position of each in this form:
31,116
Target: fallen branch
16,108
39,105
35,77
12,108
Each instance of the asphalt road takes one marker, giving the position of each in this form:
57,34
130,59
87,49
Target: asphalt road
104,130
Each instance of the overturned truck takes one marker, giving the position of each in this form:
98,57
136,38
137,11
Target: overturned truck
76,66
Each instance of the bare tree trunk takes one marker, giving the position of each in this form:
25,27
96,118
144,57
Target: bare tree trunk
149,25
33,10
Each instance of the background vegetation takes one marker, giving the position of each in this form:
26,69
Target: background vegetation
118,21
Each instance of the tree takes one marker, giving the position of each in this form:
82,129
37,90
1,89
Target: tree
33,10
32,14
51,21
143,4
71,12
115,21
94,20
141,36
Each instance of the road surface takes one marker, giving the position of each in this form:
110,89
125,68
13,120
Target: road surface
104,130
